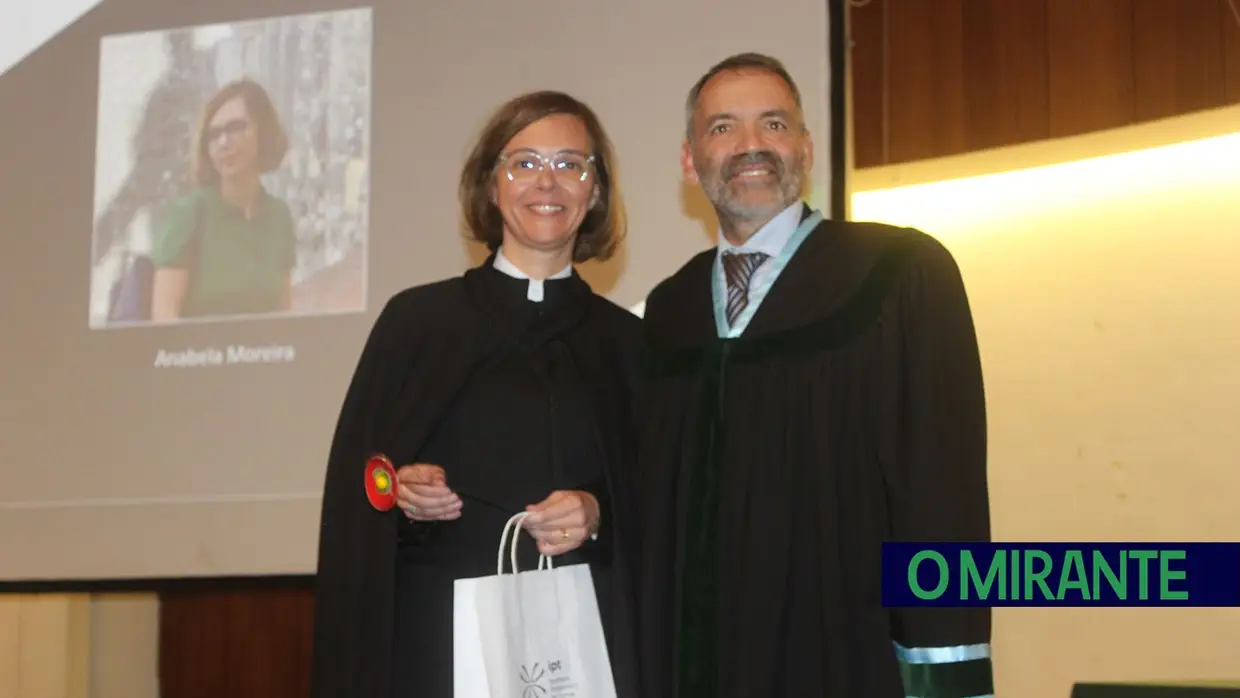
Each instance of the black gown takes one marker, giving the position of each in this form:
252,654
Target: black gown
514,399
849,412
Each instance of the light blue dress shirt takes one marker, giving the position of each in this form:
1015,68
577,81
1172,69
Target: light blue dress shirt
770,240
779,238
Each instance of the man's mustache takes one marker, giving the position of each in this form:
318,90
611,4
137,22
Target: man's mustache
747,160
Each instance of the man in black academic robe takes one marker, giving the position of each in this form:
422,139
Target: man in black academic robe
422,351
813,389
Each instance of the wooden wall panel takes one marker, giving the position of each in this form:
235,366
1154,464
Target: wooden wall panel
1089,54
962,75
926,106
930,78
1006,79
1231,49
240,644
1178,59
867,57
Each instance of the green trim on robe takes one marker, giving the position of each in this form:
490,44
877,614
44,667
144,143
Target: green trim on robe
946,672
973,678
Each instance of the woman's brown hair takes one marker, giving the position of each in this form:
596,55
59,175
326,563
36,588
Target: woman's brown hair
603,226
272,139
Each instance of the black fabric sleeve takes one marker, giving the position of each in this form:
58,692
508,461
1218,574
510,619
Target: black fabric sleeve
938,485
346,518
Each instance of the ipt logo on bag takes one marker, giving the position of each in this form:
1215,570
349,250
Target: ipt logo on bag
532,678
551,680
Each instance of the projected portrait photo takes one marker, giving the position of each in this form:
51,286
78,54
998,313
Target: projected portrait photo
232,172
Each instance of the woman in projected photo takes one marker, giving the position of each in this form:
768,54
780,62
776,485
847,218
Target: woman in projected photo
228,248
504,390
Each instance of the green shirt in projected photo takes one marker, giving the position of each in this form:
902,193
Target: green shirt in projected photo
237,266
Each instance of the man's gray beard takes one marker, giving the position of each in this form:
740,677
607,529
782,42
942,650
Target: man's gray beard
726,207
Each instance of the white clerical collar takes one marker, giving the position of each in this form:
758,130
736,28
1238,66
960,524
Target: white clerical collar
535,290
772,237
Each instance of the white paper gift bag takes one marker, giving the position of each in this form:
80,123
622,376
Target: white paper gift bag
531,634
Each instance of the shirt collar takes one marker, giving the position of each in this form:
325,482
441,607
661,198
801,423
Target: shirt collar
535,289
772,237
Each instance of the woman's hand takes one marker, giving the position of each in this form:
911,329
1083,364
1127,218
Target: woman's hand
422,493
562,521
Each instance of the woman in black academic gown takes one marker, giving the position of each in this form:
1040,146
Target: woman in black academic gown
507,389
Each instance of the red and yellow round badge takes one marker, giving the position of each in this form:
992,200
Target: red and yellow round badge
381,482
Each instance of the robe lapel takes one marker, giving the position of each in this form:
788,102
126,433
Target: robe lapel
796,298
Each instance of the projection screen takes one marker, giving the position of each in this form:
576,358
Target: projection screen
141,443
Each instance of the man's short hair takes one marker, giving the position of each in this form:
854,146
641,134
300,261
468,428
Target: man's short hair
740,61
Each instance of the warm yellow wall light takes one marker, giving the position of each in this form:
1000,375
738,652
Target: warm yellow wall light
959,204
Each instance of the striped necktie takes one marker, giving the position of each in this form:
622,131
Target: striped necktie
738,269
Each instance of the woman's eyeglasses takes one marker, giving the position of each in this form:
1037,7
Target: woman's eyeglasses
568,167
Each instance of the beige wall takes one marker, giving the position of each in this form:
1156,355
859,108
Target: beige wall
79,646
